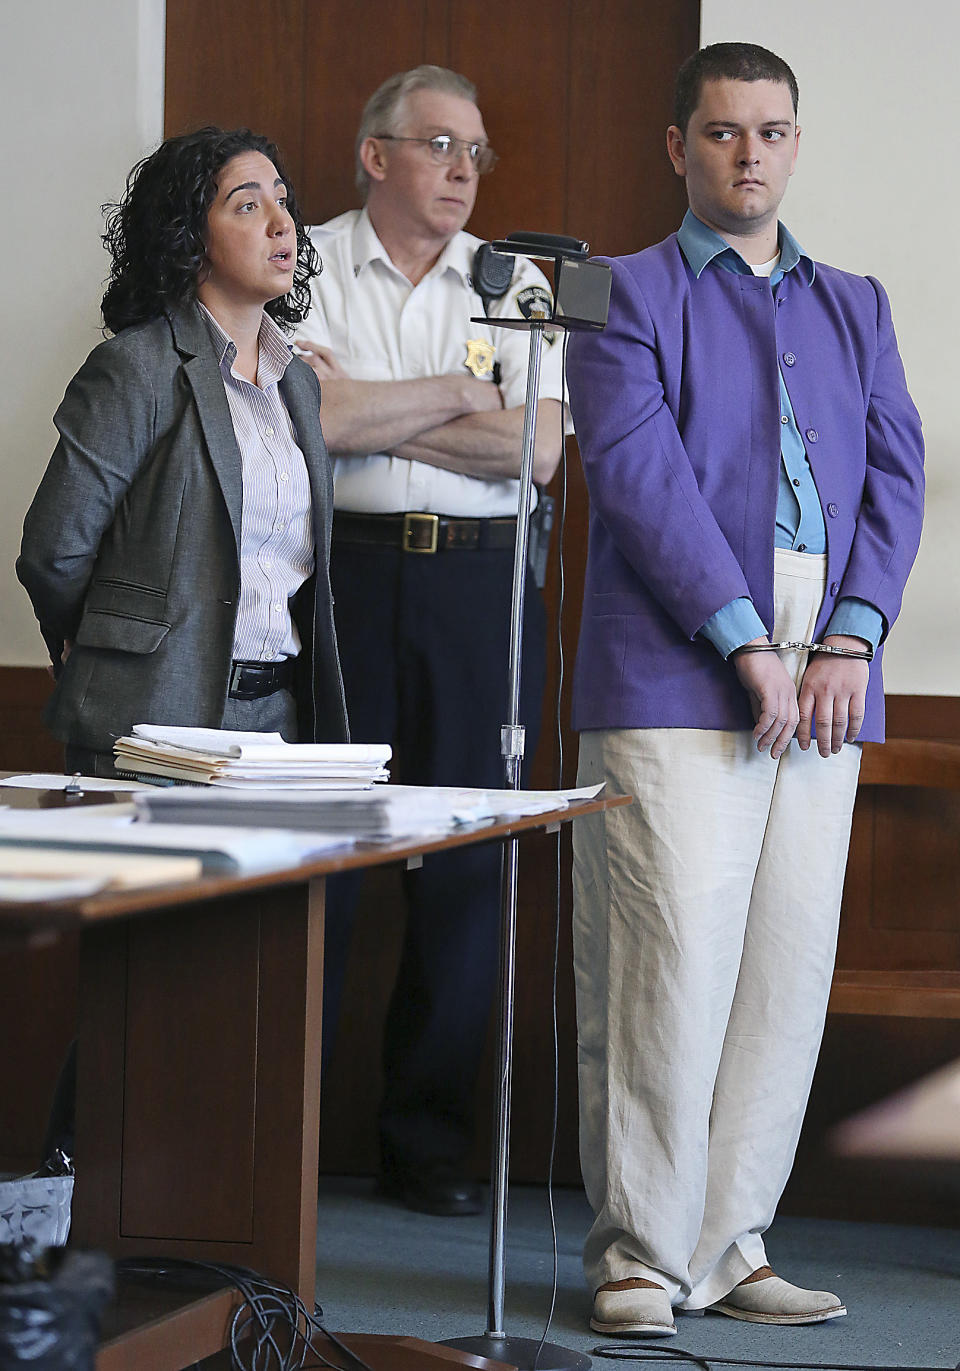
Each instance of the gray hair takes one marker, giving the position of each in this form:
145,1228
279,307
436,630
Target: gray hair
381,113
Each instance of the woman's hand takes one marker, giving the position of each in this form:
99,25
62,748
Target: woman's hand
64,654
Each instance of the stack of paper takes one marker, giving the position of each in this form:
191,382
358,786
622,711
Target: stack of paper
112,830
381,814
212,756
29,872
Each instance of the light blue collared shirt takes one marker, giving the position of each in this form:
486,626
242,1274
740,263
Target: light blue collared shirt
799,518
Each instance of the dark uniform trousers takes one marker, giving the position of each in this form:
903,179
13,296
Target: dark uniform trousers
424,649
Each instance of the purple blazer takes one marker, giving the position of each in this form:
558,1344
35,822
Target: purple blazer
677,412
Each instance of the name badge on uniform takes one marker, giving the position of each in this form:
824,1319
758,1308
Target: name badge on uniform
479,359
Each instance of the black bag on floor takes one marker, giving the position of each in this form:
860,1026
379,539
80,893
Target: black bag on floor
51,1300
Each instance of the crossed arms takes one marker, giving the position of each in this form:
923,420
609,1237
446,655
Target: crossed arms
453,421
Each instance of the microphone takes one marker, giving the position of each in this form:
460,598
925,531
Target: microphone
546,246
581,289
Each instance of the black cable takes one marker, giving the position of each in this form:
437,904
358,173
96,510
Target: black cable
269,1312
617,1352
556,927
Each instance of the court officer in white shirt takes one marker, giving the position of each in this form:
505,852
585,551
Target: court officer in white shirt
422,412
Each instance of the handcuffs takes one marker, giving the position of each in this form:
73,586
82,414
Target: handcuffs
865,656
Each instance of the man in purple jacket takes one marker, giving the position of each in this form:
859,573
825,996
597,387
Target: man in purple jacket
754,463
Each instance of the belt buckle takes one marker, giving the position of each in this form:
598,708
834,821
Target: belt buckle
236,675
414,525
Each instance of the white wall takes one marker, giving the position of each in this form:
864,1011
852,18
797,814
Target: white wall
81,99
877,190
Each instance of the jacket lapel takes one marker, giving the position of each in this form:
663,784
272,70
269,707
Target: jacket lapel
202,370
301,396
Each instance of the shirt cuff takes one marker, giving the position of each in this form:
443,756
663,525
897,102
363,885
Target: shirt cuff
856,619
735,624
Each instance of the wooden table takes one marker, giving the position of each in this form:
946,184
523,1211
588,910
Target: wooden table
198,1096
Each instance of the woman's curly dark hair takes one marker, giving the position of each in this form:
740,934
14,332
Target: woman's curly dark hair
155,234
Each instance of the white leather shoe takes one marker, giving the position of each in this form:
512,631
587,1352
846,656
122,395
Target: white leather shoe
772,1300
633,1308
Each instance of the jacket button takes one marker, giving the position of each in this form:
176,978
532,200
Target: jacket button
812,434
789,358
834,587
833,511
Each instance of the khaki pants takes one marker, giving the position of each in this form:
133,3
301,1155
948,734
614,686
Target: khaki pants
705,922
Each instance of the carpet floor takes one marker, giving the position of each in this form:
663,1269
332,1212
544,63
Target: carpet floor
383,1269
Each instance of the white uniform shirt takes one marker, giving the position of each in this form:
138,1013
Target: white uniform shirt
383,328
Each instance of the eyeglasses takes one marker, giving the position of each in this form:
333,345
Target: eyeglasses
445,150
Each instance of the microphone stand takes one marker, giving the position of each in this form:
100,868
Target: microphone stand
523,1353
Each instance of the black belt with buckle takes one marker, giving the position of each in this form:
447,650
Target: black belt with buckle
423,532
253,680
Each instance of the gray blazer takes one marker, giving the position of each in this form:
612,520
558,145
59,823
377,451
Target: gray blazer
131,546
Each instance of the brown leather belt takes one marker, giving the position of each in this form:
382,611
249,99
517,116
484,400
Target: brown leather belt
426,533
253,680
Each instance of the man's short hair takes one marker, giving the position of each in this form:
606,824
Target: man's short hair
727,62
382,111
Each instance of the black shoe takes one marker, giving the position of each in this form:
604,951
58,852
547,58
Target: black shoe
438,1189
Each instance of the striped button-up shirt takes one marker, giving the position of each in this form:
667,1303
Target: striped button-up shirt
276,530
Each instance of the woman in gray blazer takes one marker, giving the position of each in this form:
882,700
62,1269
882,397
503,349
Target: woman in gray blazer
176,550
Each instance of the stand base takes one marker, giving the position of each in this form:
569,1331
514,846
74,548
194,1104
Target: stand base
522,1352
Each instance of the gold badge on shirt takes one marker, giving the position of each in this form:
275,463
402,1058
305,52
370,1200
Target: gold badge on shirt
480,355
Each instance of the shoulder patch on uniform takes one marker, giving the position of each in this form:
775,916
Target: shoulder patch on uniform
534,302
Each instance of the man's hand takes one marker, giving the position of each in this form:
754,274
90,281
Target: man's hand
485,397
832,695
773,698
490,445
322,360
379,416
461,392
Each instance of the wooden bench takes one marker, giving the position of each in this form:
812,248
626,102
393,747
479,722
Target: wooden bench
929,993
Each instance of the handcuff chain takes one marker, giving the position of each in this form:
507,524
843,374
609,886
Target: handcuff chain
865,656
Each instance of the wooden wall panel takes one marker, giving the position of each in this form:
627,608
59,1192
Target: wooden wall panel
622,193
349,49
38,1014
25,744
909,895
900,910
923,716
237,66
39,983
181,970
519,60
